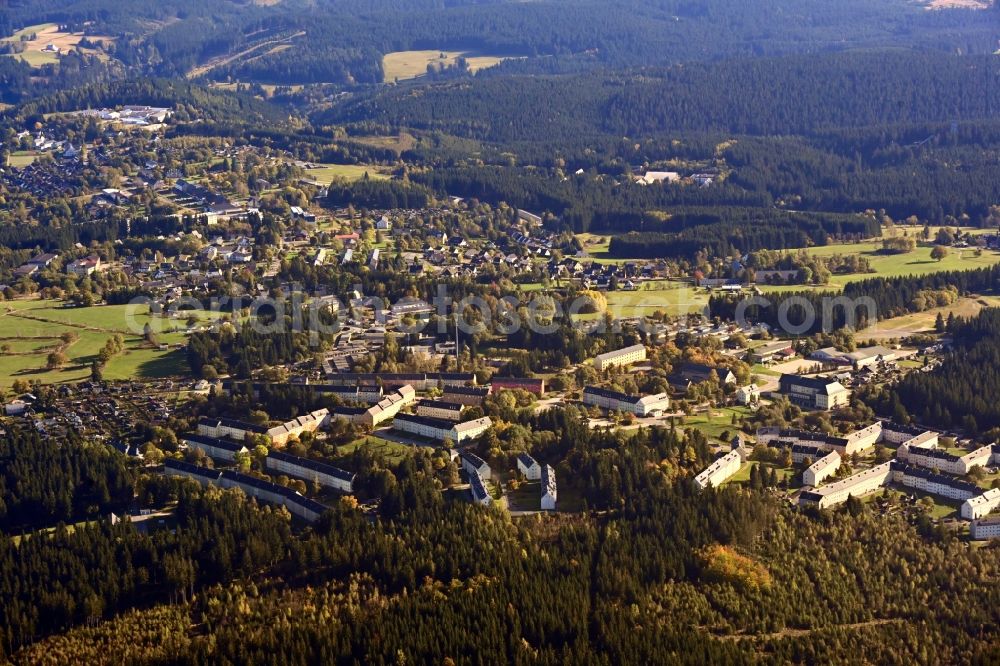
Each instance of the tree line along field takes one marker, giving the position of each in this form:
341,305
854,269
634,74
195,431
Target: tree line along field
405,65
31,329
917,262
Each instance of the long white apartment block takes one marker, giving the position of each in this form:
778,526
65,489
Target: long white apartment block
719,471
855,485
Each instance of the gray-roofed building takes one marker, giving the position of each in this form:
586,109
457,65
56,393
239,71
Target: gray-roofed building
323,474
549,491
529,467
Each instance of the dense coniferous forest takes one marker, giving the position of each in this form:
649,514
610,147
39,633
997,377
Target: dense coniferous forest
791,95
734,232
960,393
79,481
342,42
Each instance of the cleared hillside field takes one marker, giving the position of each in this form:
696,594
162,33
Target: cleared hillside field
403,65
48,35
327,173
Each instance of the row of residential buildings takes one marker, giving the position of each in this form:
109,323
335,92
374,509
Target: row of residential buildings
893,471
298,505
227,450
855,442
277,435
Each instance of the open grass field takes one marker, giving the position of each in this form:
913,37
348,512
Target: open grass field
743,476
33,328
596,247
400,143
394,452
327,173
674,298
403,65
715,422
594,244
22,158
46,34
923,322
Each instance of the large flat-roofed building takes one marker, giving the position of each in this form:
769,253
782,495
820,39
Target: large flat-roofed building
855,485
981,505
719,471
814,392
323,474
620,357
868,356
822,469
769,351
439,409
985,528
219,449
549,491
621,402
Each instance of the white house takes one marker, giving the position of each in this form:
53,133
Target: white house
529,467
748,395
